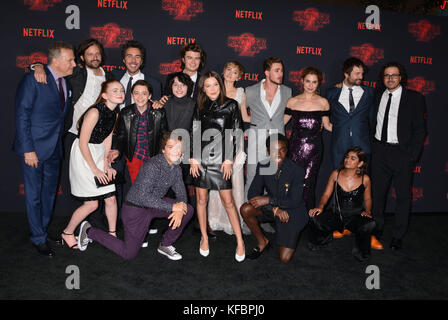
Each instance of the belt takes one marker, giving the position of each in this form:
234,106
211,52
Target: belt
387,144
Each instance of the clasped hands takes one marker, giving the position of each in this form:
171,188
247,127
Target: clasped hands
260,201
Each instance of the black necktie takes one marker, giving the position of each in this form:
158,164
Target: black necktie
386,120
127,99
61,93
350,100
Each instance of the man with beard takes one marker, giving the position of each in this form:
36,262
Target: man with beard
351,108
398,135
267,101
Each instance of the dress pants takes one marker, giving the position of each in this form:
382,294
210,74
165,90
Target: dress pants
323,225
136,221
390,164
41,185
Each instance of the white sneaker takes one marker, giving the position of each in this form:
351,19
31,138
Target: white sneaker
83,239
170,252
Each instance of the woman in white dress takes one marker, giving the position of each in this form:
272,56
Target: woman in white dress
88,160
217,215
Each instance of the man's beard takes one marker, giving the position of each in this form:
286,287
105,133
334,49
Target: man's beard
89,65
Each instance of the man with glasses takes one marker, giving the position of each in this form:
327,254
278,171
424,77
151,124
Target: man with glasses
399,132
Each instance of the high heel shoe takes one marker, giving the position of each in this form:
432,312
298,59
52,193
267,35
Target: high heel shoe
240,258
74,246
203,253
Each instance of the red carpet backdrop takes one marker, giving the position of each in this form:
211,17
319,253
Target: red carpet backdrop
300,33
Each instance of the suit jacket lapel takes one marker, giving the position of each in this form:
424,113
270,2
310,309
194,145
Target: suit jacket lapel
337,96
260,103
401,111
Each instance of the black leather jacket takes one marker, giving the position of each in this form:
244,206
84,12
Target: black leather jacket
216,120
125,137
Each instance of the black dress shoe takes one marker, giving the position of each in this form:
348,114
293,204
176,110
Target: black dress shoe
256,253
396,244
55,241
44,250
359,256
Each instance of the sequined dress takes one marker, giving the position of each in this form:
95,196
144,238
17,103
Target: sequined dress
305,148
82,181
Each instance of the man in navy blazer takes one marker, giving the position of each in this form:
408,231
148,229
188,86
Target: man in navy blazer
40,110
351,111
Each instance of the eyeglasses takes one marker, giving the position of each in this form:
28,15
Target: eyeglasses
393,76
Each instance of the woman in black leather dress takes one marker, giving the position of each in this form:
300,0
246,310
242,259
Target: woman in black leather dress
216,122
352,191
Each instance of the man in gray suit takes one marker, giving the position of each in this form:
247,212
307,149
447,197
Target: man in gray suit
267,101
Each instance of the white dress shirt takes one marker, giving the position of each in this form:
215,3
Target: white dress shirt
125,79
88,97
344,97
392,132
270,108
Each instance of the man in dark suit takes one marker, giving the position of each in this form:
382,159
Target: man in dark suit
40,110
351,111
283,204
133,55
398,136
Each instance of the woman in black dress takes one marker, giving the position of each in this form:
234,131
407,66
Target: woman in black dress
351,206
309,112
215,121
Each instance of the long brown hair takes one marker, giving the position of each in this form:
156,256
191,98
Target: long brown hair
202,96
99,100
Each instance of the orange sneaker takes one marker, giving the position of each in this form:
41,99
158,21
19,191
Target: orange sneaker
346,232
337,234
375,244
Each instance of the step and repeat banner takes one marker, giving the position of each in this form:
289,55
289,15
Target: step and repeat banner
300,33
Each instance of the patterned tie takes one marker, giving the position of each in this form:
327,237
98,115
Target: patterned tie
350,100
386,120
61,93
127,99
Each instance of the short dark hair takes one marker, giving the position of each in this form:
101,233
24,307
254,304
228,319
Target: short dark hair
361,156
183,78
142,83
134,44
401,69
167,136
350,63
192,47
55,50
276,138
84,45
267,64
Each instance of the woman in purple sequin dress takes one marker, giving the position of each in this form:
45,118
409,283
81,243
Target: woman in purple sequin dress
309,113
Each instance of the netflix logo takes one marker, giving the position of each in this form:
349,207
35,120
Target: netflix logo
253,15
179,41
309,50
416,193
420,60
123,5
38,33
369,26
417,169
110,68
250,77
371,84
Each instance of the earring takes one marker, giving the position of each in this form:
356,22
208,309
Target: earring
358,171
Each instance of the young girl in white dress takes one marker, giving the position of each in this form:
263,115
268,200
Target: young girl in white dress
217,215
88,160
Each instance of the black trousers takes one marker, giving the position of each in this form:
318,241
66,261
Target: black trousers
391,165
321,229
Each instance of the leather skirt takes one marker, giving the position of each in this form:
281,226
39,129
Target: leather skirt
211,178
